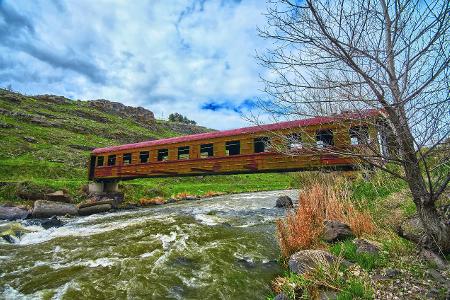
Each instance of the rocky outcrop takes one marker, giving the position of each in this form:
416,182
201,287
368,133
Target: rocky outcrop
307,260
139,114
59,196
13,213
46,209
336,231
284,202
52,99
94,209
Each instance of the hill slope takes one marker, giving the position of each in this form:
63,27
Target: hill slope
50,137
45,141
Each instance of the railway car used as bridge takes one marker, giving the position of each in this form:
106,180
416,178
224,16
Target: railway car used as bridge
286,146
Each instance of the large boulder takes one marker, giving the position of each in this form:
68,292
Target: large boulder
59,196
46,209
336,231
284,202
115,198
13,213
306,260
94,209
52,222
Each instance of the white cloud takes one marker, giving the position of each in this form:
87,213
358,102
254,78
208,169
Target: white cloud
168,56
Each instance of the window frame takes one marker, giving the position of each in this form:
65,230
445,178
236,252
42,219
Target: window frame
361,133
232,143
209,147
320,143
182,151
128,160
264,140
102,159
165,157
112,160
142,154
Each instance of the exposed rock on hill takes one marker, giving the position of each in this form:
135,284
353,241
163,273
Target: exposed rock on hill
139,114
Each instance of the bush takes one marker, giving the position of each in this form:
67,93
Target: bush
320,201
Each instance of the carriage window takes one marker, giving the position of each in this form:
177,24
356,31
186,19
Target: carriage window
127,158
100,161
324,138
359,135
294,141
143,156
206,150
233,148
183,152
163,154
111,160
261,144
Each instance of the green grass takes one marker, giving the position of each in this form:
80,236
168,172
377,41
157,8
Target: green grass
367,261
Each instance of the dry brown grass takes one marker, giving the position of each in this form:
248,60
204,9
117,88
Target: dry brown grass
210,194
319,201
152,201
183,196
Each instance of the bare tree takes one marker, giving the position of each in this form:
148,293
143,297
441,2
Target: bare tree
391,55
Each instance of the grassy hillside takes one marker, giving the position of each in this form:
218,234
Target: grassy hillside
45,143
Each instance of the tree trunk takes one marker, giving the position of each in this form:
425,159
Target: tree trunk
438,232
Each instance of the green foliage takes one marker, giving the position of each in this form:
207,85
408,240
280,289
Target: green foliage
176,117
347,249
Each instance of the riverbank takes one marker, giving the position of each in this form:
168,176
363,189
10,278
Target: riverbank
352,239
25,191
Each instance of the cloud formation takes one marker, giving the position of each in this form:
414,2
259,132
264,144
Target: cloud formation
195,57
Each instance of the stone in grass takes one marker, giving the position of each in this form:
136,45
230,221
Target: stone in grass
335,231
59,196
281,296
307,260
365,246
47,209
284,202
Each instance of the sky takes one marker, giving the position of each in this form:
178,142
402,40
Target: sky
193,57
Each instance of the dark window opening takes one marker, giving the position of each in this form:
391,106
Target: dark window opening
324,138
359,135
100,161
163,154
143,156
127,158
233,148
206,150
183,152
261,144
111,160
294,141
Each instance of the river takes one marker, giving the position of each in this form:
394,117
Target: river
218,248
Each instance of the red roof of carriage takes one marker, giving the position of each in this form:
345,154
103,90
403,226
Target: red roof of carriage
239,131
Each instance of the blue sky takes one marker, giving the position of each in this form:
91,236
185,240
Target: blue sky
191,57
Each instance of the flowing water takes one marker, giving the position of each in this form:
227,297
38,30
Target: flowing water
218,248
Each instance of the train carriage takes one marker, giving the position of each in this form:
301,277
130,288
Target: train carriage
286,146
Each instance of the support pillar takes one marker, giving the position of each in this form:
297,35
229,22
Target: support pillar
96,187
111,186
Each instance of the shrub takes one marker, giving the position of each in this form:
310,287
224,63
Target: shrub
320,201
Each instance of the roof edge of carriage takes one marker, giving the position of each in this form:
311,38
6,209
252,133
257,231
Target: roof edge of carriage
245,130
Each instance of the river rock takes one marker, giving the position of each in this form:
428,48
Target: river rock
306,260
45,223
96,209
13,213
284,202
59,196
336,231
46,209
